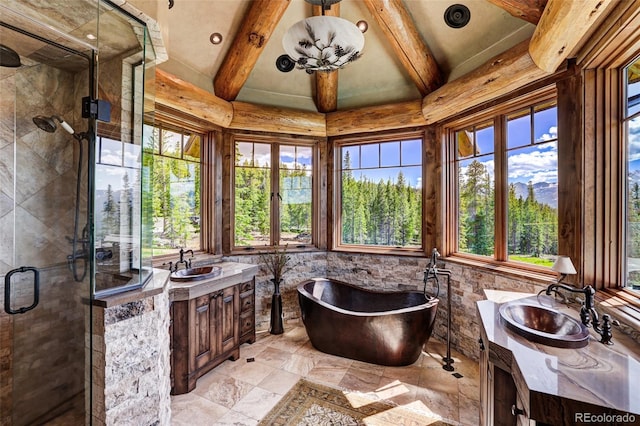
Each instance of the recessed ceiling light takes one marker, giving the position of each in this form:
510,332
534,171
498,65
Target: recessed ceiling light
362,26
215,38
91,37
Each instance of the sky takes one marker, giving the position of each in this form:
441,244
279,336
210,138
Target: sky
525,163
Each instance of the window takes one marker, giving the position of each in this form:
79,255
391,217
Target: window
273,193
379,196
506,181
631,120
174,166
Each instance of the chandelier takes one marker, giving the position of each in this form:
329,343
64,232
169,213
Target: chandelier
323,43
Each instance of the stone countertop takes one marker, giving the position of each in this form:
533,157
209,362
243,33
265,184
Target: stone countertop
605,376
232,273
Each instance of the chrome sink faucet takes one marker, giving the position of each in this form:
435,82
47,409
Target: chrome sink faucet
173,267
588,313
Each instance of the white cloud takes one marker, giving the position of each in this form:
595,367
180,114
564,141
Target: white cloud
535,166
551,134
634,139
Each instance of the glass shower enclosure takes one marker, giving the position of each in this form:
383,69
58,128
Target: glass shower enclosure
72,108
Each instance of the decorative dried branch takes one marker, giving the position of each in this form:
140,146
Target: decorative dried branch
277,262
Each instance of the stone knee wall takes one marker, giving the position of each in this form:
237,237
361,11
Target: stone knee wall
131,367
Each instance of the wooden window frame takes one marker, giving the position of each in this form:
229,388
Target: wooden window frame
174,120
336,224
274,141
497,115
603,59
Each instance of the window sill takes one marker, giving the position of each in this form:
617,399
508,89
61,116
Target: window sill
504,268
621,305
380,250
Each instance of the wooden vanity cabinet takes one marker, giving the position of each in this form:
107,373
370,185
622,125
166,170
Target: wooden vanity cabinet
500,404
207,330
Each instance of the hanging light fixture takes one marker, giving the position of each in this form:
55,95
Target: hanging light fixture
323,43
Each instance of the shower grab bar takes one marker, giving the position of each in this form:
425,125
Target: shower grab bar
7,290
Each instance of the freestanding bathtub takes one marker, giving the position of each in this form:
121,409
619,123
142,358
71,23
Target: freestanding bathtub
385,328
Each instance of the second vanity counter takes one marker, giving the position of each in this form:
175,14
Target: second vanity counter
556,384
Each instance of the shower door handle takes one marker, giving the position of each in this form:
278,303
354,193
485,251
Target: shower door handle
7,290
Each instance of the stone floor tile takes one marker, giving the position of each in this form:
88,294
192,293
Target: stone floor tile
223,390
257,403
279,382
193,410
273,357
227,394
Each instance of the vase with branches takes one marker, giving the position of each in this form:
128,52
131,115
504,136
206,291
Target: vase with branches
277,263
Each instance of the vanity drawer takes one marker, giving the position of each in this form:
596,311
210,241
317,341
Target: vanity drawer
246,323
246,303
248,286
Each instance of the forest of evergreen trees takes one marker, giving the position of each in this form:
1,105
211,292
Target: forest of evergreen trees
384,213
175,201
253,200
532,225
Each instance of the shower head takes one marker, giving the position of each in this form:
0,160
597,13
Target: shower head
9,57
48,124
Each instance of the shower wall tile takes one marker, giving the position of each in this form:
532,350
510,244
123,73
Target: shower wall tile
42,90
7,107
6,243
6,204
32,173
53,203
6,170
56,149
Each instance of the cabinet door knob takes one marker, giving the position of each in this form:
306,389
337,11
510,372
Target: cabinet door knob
515,411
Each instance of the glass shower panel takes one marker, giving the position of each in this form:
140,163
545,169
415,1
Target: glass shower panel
123,71
44,245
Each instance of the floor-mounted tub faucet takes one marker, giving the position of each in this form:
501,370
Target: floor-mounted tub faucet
432,273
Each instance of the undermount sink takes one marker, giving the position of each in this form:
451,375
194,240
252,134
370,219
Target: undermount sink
542,325
195,274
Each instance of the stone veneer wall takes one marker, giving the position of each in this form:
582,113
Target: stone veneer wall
131,367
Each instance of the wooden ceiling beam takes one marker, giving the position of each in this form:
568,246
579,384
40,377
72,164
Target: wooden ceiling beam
327,81
262,118
499,76
528,10
188,98
376,118
249,42
407,43
562,26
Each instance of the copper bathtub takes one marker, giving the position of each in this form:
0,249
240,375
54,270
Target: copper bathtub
385,328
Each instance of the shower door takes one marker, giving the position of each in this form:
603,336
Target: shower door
45,248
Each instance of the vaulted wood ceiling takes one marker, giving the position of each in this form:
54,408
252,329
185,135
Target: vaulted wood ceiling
410,56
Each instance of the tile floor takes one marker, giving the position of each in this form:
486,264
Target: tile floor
242,392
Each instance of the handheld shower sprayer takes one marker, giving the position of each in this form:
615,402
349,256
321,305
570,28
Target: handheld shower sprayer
431,273
48,124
